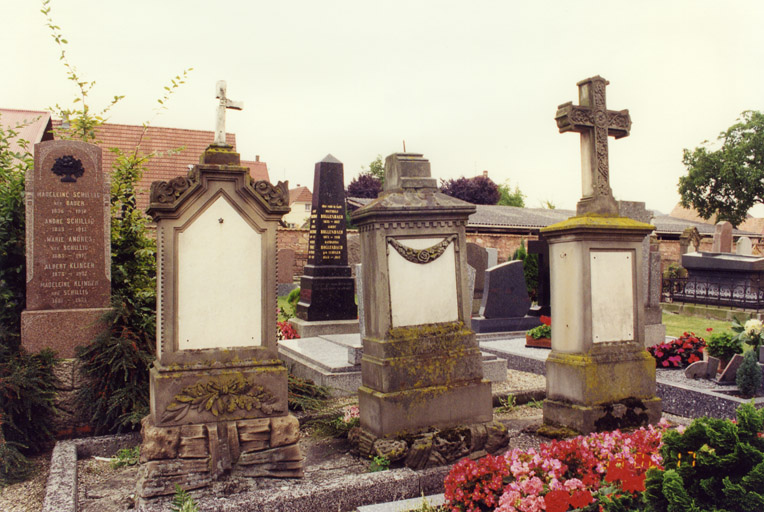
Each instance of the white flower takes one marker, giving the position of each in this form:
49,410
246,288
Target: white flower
753,327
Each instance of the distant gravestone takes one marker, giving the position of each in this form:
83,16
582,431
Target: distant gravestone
744,246
505,302
68,247
702,369
722,237
540,248
477,258
689,240
286,266
493,256
326,287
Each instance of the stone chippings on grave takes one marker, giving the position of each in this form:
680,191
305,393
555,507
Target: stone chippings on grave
599,375
67,247
327,292
505,303
423,398
218,389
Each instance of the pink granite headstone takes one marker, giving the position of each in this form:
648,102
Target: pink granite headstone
722,237
67,247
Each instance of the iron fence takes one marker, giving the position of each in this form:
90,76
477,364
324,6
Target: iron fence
746,293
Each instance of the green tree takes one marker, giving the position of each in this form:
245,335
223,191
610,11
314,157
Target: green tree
728,181
509,197
377,169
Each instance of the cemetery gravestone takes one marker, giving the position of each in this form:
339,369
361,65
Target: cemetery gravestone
421,367
477,258
744,246
540,248
218,390
722,237
599,376
68,247
327,293
689,240
505,302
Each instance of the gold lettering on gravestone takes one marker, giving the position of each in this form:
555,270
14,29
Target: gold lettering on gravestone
69,221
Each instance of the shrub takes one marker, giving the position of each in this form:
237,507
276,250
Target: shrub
542,331
748,378
675,270
678,353
530,270
723,345
714,464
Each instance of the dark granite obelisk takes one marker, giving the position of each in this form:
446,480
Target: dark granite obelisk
326,288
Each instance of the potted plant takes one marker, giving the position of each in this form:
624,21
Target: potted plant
540,336
723,345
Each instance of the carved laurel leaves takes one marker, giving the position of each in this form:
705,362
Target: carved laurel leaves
422,256
222,395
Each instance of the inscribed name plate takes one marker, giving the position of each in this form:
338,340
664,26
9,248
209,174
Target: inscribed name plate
422,293
219,280
612,295
67,228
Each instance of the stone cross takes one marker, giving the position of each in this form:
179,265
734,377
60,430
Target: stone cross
594,122
225,103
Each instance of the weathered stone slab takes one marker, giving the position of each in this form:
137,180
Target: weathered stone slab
722,237
744,247
729,373
505,294
696,370
285,430
158,442
713,367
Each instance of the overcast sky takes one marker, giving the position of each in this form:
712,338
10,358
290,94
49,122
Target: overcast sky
472,85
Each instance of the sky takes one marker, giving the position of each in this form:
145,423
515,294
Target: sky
472,85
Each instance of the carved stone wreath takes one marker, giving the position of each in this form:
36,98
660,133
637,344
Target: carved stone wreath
422,256
69,168
221,395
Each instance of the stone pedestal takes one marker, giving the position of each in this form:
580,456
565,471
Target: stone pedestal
62,329
307,329
421,367
599,376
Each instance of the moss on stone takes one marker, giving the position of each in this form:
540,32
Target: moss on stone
598,221
556,432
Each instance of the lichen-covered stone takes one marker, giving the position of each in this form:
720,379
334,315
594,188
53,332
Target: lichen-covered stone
391,449
419,453
158,442
193,442
451,444
498,437
285,430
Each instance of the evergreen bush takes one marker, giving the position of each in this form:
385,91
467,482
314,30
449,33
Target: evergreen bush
748,378
714,464
530,269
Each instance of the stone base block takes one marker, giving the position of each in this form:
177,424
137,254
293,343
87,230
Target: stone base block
629,412
61,329
202,395
605,375
306,329
654,334
435,447
422,409
194,456
520,323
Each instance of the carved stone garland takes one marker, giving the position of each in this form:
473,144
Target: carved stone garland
422,256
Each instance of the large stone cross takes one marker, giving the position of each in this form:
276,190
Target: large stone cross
222,106
594,122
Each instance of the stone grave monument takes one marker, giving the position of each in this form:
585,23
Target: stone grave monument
599,375
689,240
68,247
327,294
505,304
540,248
477,258
218,388
722,237
422,376
744,247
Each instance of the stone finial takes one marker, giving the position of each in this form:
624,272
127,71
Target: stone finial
408,171
594,122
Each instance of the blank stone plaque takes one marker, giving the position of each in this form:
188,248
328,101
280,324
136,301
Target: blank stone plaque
612,296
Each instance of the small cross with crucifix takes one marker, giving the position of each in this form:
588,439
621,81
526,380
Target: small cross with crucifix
594,122
222,106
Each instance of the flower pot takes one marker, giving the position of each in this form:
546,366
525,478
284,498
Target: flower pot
530,341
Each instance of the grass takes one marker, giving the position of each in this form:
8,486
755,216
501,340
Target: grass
678,324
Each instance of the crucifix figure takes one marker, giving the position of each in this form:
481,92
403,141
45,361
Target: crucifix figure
225,103
594,122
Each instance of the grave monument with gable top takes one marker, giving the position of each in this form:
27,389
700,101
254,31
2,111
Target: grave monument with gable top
68,247
218,388
599,375
422,375
327,293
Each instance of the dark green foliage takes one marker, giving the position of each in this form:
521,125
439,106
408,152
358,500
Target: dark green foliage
509,197
477,190
748,377
675,270
305,395
723,345
365,185
730,180
530,269
118,361
293,297
714,465
182,501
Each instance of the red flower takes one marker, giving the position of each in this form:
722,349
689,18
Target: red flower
709,329
580,499
546,320
557,501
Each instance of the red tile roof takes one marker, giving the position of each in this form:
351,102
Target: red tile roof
300,194
257,169
35,126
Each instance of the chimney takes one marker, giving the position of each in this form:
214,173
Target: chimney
257,158
485,174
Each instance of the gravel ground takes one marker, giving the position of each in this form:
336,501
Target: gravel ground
103,489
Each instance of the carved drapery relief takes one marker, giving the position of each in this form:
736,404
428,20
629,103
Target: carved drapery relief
422,256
